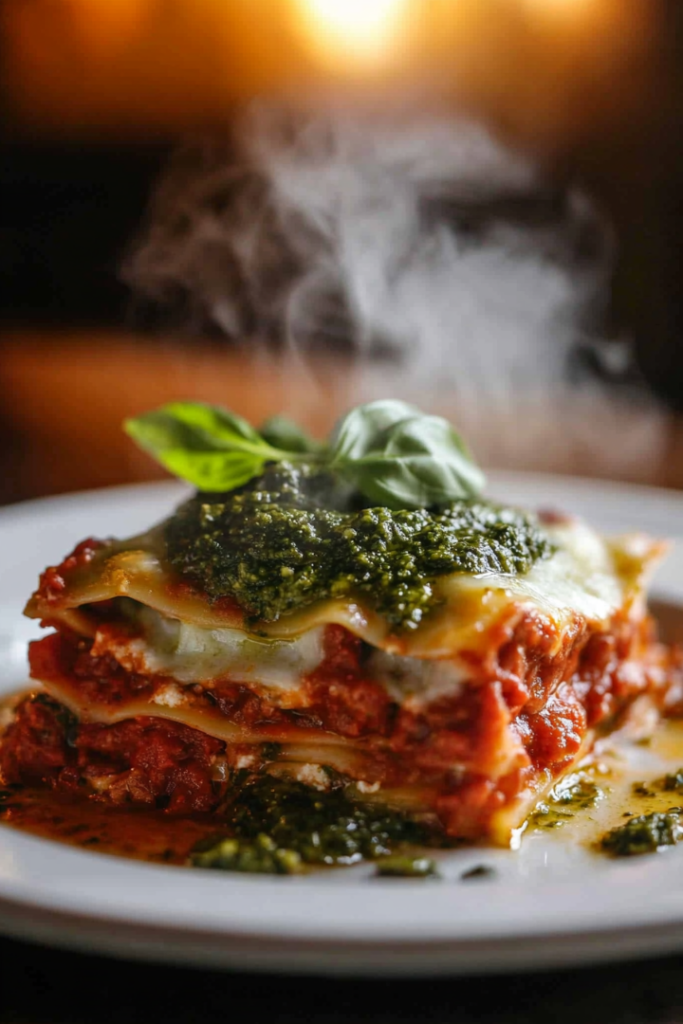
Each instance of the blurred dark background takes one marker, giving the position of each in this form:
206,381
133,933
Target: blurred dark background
96,96
70,210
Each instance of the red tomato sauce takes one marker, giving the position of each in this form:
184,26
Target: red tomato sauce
53,580
527,708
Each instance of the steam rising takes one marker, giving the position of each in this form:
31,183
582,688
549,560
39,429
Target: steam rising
435,255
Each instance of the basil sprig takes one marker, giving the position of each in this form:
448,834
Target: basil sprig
399,457
281,432
209,447
389,451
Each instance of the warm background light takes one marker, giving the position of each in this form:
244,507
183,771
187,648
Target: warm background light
560,6
110,29
586,87
78,67
353,31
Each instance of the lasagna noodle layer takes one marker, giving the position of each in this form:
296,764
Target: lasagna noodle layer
479,760
587,579
161,763
538,662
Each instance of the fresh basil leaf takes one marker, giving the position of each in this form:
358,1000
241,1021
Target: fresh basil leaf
417,462
281,432
213,421
209,447
389,451
360,431
213,471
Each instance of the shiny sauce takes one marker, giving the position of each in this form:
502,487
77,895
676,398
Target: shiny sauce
606,792
621,780
141,834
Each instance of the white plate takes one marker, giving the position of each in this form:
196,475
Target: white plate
551,903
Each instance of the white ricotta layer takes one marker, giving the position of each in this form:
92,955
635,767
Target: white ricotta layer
187,641
190,654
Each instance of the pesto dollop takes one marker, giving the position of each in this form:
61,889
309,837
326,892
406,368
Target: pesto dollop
296,535
646,833
279,825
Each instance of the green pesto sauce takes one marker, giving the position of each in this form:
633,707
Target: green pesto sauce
563,803
278,826
293,537
645,834
478,873
673,782
405,866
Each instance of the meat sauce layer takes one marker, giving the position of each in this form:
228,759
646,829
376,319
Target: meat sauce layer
144,761
526,712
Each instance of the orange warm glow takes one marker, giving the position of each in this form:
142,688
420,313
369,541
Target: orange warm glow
356,32
103,29
103,66
559,6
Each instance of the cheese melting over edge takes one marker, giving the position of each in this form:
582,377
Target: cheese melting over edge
184,635
587,577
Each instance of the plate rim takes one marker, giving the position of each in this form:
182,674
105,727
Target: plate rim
664,914
505,476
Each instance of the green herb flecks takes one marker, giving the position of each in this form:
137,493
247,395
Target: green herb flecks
572,795
577,794
644,834
387,451
257,856
279,544
278,825
478,873
673,782
403,866
640,789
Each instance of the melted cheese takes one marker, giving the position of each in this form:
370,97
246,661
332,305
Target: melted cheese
178,636
588,578
192,654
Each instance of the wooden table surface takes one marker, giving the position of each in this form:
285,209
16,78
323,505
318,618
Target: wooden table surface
61,403
63,398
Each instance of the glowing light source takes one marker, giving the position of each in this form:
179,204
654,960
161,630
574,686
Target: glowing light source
567,8
361,30
94,65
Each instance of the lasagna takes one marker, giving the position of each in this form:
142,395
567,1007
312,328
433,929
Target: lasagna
451,661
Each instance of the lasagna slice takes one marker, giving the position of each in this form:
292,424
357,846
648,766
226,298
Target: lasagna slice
152,693
434,653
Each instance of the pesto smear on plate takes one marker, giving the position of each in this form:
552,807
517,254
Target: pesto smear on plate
278,826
